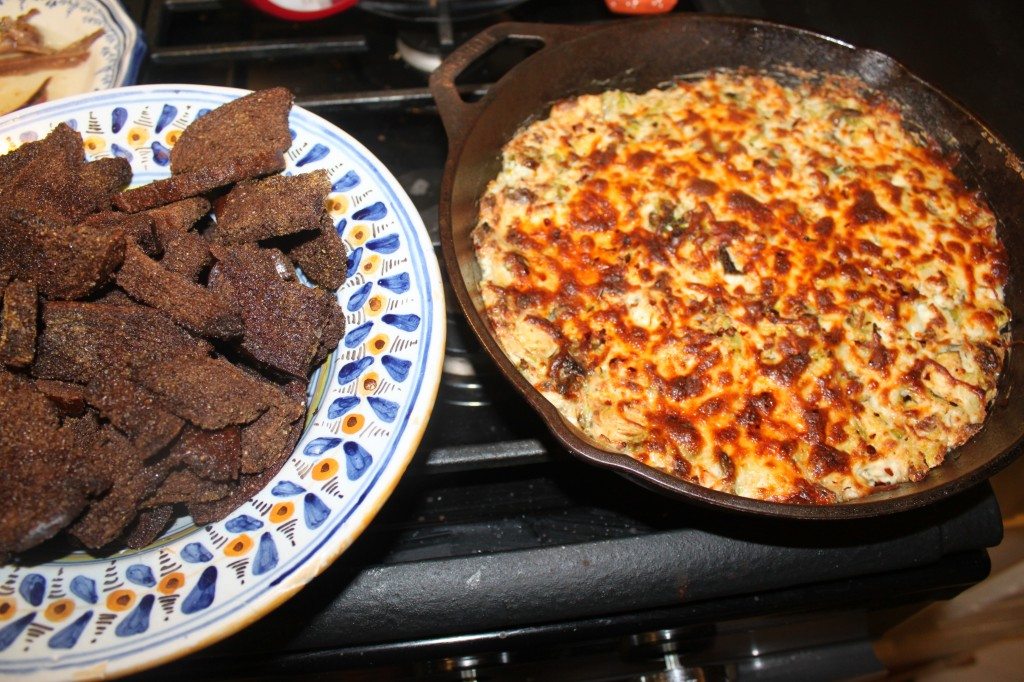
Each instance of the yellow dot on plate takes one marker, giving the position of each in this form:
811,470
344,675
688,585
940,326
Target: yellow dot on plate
7,608
283,511
239,546
171,583
370,264
337,204
368,383
377,344
358,234
137,136
325,468
94,144
172,137
120,600
352,423
60,609
375,305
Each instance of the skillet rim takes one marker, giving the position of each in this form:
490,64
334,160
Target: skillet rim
461,119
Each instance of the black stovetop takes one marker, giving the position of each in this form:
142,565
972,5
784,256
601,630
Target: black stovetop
500,557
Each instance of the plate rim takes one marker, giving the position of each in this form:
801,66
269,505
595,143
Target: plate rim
128,60
136,46
315,559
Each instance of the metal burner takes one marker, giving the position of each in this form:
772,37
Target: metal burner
425,60
424,48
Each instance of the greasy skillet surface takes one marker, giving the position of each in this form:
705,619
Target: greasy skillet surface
639,55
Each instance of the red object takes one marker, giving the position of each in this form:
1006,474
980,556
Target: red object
302,10
640,6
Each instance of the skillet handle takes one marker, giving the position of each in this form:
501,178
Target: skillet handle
456,113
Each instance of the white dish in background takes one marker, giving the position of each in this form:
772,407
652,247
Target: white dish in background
114,58
90,617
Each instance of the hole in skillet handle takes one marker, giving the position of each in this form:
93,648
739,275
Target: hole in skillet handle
487,57
493,64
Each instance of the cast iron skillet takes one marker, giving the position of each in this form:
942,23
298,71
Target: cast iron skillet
640,54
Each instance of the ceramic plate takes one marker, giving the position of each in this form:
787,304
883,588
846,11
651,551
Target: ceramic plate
114,58
88,616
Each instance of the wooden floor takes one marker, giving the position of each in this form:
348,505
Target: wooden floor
979,635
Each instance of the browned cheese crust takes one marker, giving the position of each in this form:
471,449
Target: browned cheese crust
772,290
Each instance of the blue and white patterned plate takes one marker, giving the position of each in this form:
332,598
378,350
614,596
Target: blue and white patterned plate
93,617
114,58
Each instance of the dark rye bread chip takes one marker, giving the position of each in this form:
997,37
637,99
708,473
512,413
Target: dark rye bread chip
272,207
209,392
60,141
42,193
75,262
65,263
103,178
184,485
68,398
322,257
283,320
134,411
18,317
39,179
276,431
257,122
248,485
187,255
283,265
153,416
333,331
192,306
86,432
134,480
115,296
13,244
297,391
147,526
43,485
83,340
50,181
136,227
214,455
173,220
200,181
267,442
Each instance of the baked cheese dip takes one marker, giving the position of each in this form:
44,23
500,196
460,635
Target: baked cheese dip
772,290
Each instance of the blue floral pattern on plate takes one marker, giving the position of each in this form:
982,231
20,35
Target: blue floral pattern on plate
369,402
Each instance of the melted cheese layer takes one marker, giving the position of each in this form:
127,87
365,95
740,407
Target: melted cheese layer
773,291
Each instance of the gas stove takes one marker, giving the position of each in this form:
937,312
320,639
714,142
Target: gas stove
499,556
